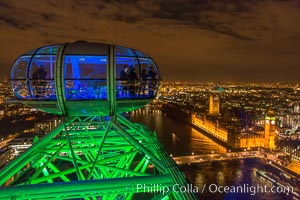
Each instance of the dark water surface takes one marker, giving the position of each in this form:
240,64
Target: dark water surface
179,138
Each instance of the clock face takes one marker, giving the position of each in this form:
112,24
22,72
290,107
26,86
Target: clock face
267,121
272,122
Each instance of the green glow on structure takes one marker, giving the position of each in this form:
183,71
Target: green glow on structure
89,158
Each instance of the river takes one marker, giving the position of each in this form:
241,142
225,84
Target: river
179,138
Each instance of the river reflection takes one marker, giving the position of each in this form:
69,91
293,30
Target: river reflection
177,137
234,174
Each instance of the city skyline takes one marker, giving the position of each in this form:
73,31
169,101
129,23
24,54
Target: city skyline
255,41
237,142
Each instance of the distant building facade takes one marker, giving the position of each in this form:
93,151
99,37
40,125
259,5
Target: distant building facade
232,133
5,155
47,126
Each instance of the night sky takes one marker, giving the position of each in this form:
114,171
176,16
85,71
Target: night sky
190,40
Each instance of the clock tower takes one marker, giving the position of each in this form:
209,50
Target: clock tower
214,104
270,125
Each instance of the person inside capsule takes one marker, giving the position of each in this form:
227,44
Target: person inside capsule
39,82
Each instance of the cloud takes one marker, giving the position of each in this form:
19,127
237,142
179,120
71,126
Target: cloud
220,38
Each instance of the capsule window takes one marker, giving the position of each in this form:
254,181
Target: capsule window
85,77
18,77
140,54
20,68
45,63
128,78
50,50
30,52
41,77
150,78
123,51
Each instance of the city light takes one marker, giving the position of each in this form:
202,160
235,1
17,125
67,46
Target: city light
286,153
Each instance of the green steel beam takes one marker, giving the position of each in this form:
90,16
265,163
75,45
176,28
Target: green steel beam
99,150
94,173
56,175
78,172
107,148
18,163
59,81
139,146
108,153
175,173
55,170
131,160
85,188
163,196
86,164
138,167
111,80
131,126
44,165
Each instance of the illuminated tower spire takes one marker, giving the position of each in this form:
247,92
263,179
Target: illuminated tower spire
5,79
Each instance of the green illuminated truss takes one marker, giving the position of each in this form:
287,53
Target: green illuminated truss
93,158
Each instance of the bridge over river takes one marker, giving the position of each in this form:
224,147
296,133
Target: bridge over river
267,157
181,160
